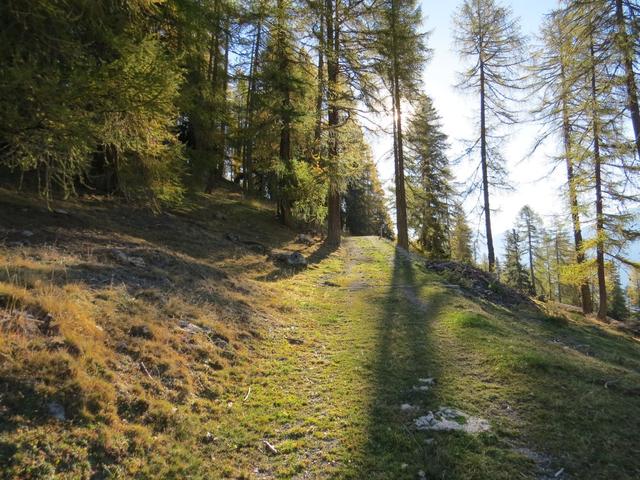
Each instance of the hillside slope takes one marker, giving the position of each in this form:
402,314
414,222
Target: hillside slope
173,346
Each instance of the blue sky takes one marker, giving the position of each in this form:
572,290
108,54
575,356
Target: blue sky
534,181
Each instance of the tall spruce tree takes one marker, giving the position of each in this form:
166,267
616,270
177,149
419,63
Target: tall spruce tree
488,37
529,226
515,273
617,304
461,241
428,180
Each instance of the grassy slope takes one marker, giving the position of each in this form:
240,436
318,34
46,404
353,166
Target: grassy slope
316,362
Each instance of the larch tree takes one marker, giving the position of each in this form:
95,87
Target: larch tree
553,79
633,293
488,37
599,142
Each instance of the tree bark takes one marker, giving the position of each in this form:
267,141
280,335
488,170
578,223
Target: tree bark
533,278
602,287
321,86
557,248
334,227
585,289
401,196
247,154
626,50
485,173
211,176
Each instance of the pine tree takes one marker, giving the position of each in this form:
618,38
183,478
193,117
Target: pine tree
461,238
515,274
428,180
617,304
489,38
529,225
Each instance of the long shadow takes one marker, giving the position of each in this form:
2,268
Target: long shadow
283,271
206,223
405,354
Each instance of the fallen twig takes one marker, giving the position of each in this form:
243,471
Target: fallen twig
144,368
246,397
270,447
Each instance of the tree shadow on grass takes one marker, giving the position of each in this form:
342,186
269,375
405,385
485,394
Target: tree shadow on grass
404,356
282,271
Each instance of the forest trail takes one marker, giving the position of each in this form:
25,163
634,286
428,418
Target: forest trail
376,342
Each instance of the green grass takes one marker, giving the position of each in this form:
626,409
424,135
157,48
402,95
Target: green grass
316,362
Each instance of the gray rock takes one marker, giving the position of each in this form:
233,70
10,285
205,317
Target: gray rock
56,410
296,259
305,239
448,419
122,257
141,331
191,327
27,233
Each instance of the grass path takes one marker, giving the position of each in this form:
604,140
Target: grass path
363,326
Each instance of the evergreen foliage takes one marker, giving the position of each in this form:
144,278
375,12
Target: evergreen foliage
428,179
515,274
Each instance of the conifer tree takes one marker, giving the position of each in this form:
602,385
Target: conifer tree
553,79
529,225
403,52
461,237
428,180
515,274
633,293
489,38
617,305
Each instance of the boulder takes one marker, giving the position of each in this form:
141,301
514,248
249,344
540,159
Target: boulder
296,259
304,239
56,410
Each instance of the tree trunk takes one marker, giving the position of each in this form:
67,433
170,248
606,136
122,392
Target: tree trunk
485,173
557,248
247,154
334,229
401,196
225,87
602,287
626,50
533,278
321,86
585,290
211,176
